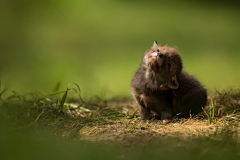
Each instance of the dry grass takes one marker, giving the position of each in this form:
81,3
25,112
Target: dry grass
118,120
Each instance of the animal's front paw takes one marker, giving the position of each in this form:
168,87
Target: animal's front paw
145,116
166,121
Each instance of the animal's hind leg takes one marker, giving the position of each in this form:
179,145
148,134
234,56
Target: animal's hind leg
194,100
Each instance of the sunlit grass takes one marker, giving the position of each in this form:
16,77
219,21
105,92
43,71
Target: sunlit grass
114,125
93,118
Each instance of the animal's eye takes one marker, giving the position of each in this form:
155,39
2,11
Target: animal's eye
169,65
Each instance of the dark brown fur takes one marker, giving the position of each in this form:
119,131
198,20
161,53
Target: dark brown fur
161,86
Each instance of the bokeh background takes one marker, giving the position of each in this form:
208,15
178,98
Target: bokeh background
99,44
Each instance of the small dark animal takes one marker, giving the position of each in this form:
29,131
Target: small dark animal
160,85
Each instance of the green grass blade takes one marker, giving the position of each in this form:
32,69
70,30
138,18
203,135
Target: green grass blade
3,92
61,105
57,87
210,114
212,109
50,94
54,93
63,100
79,91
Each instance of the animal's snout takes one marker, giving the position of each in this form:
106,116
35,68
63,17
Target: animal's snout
159,53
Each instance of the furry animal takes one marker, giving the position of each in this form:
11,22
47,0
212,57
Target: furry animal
160,85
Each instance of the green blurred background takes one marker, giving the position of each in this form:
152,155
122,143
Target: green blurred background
99,44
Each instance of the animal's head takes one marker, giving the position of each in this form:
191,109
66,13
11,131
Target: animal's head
163,63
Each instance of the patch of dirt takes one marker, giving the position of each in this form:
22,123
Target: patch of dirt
132,132
130,129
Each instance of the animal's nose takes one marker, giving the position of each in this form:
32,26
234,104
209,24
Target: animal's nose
159,54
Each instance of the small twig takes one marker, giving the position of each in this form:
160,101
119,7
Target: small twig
176,115
207,115
39,116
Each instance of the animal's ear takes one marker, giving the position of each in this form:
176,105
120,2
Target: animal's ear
154,44
173,84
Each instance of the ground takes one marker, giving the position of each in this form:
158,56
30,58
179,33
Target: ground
117,120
